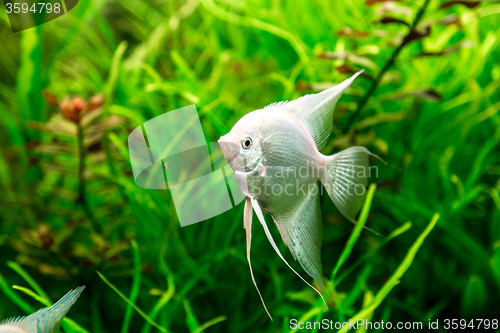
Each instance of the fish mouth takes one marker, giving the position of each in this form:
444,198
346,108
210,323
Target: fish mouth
230,150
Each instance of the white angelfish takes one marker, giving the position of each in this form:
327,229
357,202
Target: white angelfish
274,153
47,320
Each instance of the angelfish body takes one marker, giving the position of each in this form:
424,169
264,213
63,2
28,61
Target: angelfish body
47,320
274,153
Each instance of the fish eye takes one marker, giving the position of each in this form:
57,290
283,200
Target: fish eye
246,142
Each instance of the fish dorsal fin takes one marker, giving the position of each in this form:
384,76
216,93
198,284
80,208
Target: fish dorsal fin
47,320
316,110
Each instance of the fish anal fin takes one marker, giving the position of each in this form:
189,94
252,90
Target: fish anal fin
302,232
260,216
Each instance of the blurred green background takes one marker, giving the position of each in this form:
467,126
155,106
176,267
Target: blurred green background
428,103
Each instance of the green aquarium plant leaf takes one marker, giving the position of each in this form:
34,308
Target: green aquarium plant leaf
353,238
136,284
396,276
136,308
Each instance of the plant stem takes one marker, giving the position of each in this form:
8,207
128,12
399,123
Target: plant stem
81,165
387,66
82,199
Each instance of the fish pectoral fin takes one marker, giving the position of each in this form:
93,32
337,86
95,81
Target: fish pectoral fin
247,221
260,216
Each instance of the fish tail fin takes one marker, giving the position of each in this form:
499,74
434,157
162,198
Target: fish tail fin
345,179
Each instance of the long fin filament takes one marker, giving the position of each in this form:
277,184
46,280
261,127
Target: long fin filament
247,220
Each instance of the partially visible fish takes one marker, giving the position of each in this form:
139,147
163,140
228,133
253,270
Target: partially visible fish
47,320
274,153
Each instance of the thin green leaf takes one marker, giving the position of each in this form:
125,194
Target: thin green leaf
356,232
143,315
32,283
396,276
136,283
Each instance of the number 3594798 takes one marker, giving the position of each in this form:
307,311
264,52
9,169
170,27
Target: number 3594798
479,324
36,8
